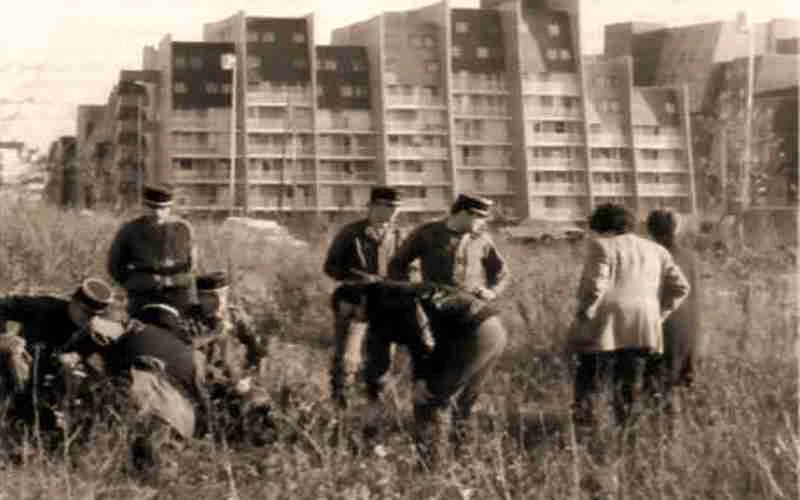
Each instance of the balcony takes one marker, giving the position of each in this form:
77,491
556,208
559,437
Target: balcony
200,149
201,175
486,166
645,165
279,150
551,87
558,188
414,127
482,140
494,112
489,190
610,165
417,152
557,164
191,124
345,151
663,190
611,140
344,125
552,112
472,86
346,178
553,138
258,176
276,98
416,178
277,125
658,141
616,189
413,101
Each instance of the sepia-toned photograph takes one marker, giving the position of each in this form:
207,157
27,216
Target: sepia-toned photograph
400,249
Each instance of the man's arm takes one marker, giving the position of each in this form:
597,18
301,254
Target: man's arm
594,280
409,251
674,286
117,256
336,261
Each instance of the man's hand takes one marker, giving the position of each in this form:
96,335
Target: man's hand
485,294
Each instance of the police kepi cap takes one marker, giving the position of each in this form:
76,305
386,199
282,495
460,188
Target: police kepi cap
94,294
473,204
216,280
384,195
157,195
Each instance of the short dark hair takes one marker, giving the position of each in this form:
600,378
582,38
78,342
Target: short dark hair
612,218
662,224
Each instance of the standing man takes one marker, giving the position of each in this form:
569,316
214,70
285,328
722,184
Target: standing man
153,257
629,286
360,249
456,252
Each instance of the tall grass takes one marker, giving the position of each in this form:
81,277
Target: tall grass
735,437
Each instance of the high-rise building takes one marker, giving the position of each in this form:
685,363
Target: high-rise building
495,100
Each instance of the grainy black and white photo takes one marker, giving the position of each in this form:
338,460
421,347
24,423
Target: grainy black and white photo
401,249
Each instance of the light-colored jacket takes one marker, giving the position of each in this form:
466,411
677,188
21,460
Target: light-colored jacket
628,287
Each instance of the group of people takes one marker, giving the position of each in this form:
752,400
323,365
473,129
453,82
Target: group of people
433,291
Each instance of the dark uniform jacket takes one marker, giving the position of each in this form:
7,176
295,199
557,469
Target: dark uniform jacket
45,320
355,248
449,258
165,342
146,256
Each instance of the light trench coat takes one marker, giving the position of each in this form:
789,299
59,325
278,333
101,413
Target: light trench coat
629,286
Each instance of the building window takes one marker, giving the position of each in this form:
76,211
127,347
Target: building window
346,91
552,54
415,41
268,37
358,65
330,65
252,36
554,30
566,55
299,37
226,88
560,127
432,66
360,91
299,63
482,53
456,51
320,90
428,42
614,106
196,62
492,29
212,88
180,62
185,164
669,108
253,62
179,88
462,27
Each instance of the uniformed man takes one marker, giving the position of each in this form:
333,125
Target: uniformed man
161,380
455,252
225,334
49,325
359,251
153,257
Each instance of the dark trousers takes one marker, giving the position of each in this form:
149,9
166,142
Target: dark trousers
454,378
633,374
178,297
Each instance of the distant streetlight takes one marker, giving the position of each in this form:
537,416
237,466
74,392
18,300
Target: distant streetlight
749,28
228,62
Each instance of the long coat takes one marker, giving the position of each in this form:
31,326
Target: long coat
628,287
683,338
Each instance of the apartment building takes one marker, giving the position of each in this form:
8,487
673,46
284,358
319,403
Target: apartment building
494,100
194,102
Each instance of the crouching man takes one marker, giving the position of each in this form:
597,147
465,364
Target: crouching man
469,337
233,357
53,333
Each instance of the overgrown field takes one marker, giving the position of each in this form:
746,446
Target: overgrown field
736,436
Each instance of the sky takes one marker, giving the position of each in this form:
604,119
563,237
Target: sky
57,55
